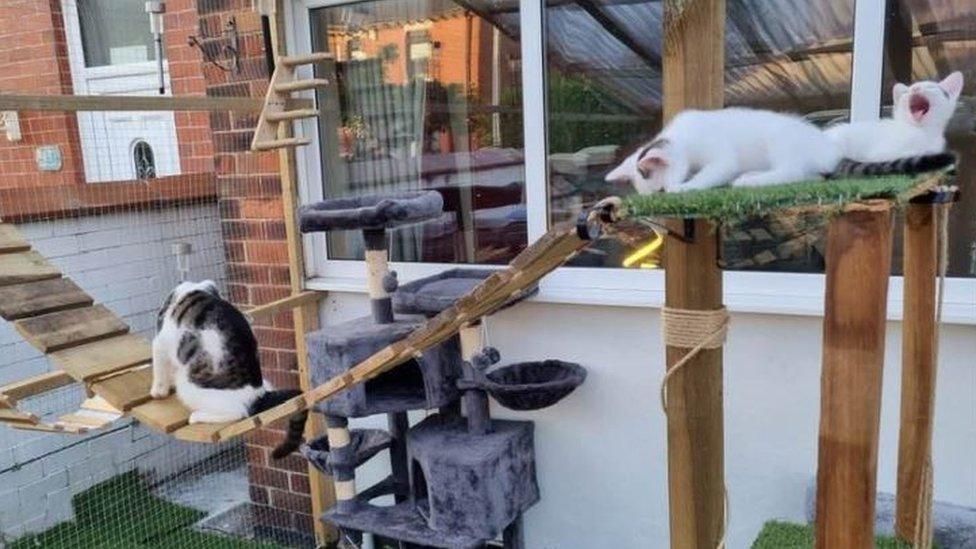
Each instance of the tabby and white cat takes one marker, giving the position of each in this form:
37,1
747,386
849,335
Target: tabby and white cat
919,117
205,348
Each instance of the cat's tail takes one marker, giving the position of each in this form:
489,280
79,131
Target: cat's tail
296,423
910,165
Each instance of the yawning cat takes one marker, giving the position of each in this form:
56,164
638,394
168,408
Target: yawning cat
920,114
205,347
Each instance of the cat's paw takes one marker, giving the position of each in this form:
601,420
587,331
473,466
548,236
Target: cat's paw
158,390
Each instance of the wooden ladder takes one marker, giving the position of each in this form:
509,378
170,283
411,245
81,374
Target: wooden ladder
268,134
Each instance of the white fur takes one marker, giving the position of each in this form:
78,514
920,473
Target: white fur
743,146
206,405
906,133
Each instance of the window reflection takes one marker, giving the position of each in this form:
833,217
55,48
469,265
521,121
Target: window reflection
927,40
427,96
605,99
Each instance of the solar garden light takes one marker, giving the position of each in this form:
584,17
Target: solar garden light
156,9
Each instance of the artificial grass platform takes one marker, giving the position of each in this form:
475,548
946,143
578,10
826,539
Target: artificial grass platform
121,513
737,203
786,535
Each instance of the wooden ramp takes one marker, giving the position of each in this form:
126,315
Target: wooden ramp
92,346
86,342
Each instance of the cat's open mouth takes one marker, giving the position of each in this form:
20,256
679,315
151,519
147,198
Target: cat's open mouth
918,105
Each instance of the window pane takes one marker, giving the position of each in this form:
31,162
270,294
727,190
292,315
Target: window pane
604,63
427,96
115,32
927,40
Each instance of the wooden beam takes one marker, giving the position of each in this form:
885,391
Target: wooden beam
694,49
918,367
286,304
305,318
70,103
858,262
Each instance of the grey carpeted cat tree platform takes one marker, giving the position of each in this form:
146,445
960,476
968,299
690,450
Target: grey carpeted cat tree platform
459,479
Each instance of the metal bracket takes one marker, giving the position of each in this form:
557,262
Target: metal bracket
231,50
943,194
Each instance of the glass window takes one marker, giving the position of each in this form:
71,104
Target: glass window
928,40
115,32
427,96
143,160
604,99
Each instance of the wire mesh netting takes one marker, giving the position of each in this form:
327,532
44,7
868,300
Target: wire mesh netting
137,217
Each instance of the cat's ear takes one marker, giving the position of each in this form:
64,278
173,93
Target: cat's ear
653,160
898,91
622,173
210,287
952,84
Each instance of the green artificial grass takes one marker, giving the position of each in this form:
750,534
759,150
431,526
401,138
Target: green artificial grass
737,203
786,535
121,513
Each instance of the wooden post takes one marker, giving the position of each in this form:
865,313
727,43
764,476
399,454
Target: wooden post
322,490
694,47
918,368
858,262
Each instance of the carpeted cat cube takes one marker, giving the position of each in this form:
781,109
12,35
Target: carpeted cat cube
421,384
471,484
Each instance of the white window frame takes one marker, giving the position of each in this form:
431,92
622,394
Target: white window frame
749,292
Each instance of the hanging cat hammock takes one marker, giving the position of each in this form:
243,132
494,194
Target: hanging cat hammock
89,345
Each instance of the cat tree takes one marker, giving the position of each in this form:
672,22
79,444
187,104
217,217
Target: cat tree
456,480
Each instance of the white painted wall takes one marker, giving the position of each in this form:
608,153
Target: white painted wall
124,261
601,452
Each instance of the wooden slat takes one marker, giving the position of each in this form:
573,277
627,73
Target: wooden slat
90,420
11,240
127,390
99,404
301,85
166,415
17,268
281,143
61,330
47,428
306,59
200,432
103,357
11,414
291,115
46,296
36,385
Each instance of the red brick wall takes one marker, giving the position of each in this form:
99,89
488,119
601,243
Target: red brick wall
254,239
186,78
34,60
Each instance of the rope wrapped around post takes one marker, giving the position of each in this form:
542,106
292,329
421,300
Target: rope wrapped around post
694,330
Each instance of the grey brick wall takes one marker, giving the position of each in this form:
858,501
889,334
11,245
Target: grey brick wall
125,261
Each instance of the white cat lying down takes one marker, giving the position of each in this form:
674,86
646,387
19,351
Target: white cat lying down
748,147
